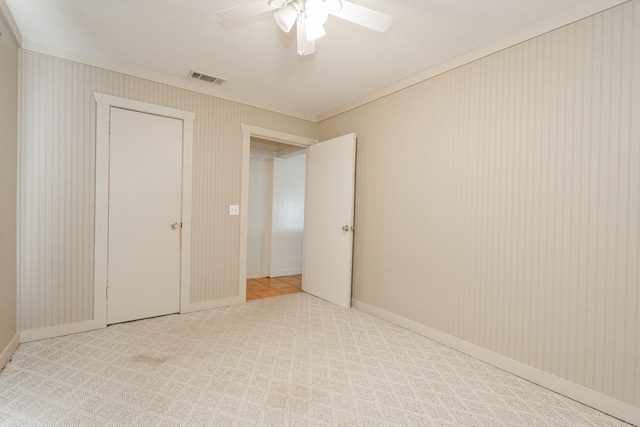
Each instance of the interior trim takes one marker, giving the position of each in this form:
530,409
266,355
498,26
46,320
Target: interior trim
154,76
7,353
557,21
599,401
7,18
208,305
61,330
553,23
104,104
249,131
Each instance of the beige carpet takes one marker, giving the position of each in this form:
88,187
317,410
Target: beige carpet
293,360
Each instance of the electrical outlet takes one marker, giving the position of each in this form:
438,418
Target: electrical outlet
234,210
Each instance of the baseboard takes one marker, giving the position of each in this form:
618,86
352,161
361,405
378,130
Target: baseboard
291,272
90,325
8,351
599,401
60,330
207,305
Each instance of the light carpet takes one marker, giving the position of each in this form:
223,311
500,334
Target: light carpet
293,360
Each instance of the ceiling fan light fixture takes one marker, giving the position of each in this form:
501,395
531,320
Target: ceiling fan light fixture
277,4
333,6
313,30
286,17
311,13
305,47
316,11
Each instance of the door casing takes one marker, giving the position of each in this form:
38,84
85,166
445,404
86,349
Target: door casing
104,104
249,131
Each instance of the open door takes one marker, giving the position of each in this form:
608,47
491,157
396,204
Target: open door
328,219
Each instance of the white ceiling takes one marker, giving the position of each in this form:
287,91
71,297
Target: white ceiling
171,37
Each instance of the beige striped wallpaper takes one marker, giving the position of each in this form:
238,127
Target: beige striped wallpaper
499,203
8,176
57,180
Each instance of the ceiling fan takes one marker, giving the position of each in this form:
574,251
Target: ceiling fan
310,16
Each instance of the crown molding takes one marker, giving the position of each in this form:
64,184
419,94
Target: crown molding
559,20
567,17
143,73
7,18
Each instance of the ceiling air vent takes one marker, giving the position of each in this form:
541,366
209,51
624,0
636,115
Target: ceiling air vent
206,78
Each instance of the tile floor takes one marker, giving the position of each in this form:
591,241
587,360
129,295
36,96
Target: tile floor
265,287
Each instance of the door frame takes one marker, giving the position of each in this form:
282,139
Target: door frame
101,240
249,131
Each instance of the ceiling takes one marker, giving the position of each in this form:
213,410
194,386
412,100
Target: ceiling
171,37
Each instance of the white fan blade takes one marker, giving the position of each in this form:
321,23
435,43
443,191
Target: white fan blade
242,11
364,16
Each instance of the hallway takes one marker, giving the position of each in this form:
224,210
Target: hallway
265,287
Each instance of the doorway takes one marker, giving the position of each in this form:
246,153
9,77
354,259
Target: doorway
266,287
276,218
268,145
276,209
329,213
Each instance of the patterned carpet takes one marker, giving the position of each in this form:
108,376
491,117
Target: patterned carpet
292,360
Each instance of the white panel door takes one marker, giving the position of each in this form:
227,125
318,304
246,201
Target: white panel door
328,219
145,180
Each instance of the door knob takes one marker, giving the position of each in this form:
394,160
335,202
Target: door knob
345,228
175,225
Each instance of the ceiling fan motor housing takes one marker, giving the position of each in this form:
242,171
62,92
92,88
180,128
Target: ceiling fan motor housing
310,16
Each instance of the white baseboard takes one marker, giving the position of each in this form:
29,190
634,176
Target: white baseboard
8,351
90,325
291,272
60,330
207,305
599,401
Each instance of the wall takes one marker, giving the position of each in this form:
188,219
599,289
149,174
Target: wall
276,215
259,220
8,177
287,215
57,180
497,207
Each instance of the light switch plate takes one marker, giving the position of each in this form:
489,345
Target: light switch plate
234,210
